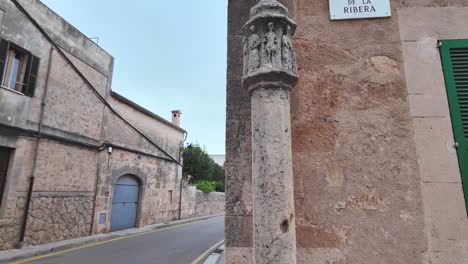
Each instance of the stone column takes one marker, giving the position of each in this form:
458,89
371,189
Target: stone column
269,73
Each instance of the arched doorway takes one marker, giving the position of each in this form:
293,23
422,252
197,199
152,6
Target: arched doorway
125,203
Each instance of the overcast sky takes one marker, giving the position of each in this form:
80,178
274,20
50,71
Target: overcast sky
168,55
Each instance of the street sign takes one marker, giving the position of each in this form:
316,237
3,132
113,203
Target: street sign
355,9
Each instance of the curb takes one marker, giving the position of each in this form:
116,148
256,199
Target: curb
32,251
215,257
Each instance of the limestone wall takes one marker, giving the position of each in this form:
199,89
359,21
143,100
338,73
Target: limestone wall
371,138
238,164
58,216
445,215
11,227
158,178
162,132
71,105
196,203
72,166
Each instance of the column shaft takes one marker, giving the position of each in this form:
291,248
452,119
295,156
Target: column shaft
274,218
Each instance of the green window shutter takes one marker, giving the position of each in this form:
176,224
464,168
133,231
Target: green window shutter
30,75
4,45
454,55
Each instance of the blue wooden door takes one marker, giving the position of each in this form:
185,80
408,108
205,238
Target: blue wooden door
125,203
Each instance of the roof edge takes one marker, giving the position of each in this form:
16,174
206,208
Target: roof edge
145,111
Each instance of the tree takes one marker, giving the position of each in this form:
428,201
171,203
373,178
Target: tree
199,165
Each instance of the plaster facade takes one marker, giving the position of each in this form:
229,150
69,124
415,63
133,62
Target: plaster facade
376,175
77,138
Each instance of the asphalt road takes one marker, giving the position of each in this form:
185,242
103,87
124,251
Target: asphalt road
179,245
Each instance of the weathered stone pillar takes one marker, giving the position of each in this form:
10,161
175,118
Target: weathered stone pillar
269,73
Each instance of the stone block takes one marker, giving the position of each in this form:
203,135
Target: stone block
10,207
446,257
424,75
445,217
428,105
437,157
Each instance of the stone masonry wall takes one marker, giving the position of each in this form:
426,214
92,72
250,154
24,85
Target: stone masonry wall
356,165
238,164
63,168
68,174
357,185
157,177
12,210
10,230
196,203
166,136
55,217
422,25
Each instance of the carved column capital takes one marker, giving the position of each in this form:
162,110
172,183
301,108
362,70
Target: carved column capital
269,73
268,51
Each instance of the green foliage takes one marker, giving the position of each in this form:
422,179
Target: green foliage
219,186
206,186
210,186
199,165
207,175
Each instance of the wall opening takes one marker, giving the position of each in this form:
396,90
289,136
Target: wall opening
4,162
125,203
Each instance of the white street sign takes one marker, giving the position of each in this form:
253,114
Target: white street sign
354,9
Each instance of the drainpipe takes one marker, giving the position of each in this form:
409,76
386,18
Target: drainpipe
36,151
180,196
270,72
183,176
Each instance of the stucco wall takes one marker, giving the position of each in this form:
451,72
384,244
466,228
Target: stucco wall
363,166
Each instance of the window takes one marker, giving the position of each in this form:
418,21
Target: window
4,162
14,70
454,55
18,68
170,196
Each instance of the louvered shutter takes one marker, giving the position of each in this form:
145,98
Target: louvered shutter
455,64
3,56
30,76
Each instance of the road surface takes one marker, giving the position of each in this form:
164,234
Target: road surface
177,245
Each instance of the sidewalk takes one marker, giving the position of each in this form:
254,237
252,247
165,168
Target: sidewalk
32,251
216,256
